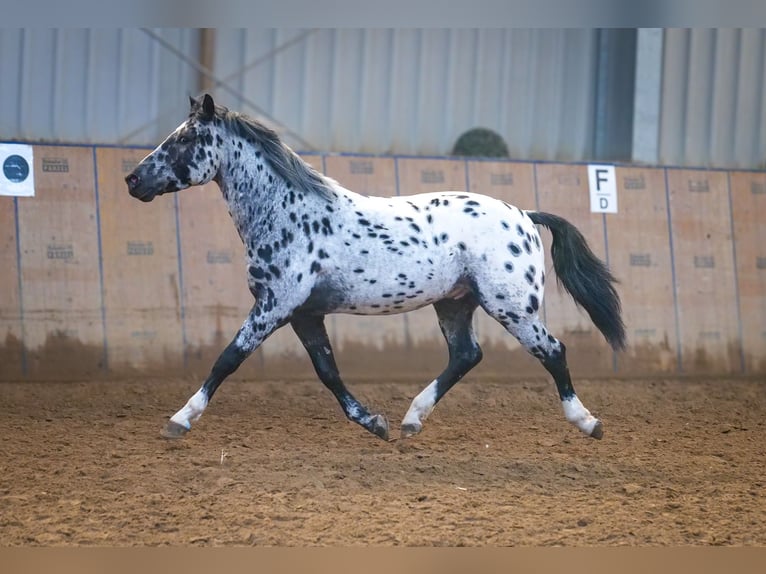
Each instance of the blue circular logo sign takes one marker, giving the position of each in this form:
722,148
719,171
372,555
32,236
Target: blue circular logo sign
15,168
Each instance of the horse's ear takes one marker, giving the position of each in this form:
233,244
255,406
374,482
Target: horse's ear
192,103
208,107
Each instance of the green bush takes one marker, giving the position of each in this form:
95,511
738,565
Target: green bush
480,142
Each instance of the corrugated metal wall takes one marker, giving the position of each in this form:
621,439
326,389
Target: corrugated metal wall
552,94
713,98
92,85
379,91
417,91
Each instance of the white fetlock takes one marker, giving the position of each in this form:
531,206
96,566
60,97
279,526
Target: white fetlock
422,406
191,411
578,415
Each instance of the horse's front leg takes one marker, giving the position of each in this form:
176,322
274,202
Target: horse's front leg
252,333
312,333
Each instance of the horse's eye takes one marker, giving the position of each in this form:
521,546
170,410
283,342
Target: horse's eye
184,139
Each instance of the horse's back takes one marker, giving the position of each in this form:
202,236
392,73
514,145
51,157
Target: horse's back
400,253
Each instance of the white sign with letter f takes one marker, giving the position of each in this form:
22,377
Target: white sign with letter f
603,188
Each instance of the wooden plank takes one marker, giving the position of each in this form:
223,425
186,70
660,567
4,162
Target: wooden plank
704,271
748,198
639,249
140,266
367,175
513,183
60,275
11,335
419,175
563,190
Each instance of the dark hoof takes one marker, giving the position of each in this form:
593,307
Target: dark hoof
173,430
379,426
598,431
411,429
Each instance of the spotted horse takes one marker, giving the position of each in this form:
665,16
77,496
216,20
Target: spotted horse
315,248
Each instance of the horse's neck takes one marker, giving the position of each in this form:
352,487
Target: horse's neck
256,200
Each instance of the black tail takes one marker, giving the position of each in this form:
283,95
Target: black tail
585,277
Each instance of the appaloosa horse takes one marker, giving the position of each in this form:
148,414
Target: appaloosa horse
315,248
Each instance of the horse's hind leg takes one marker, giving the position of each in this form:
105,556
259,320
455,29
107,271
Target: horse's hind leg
551,352
455,317
250,335
312,333
556,364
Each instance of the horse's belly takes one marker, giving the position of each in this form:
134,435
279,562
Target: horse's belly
382,309
406,292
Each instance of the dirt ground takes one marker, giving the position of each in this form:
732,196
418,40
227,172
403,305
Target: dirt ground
275,463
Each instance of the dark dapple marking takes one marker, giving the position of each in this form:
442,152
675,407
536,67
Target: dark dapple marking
314,248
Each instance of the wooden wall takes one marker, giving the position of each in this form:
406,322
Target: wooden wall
96,284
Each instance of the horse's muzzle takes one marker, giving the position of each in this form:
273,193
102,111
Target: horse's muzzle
135,188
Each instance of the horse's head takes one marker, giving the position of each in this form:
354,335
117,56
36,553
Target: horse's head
191,155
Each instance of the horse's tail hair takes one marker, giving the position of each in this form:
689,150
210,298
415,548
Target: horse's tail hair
585,277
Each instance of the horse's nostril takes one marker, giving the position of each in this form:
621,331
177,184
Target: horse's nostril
132,180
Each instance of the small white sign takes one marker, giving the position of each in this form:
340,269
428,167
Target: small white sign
603,188
17,170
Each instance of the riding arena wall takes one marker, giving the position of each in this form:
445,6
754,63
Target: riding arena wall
98,285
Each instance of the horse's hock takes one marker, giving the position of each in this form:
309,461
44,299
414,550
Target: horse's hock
110,288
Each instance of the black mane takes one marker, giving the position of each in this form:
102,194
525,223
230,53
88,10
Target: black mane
283,160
